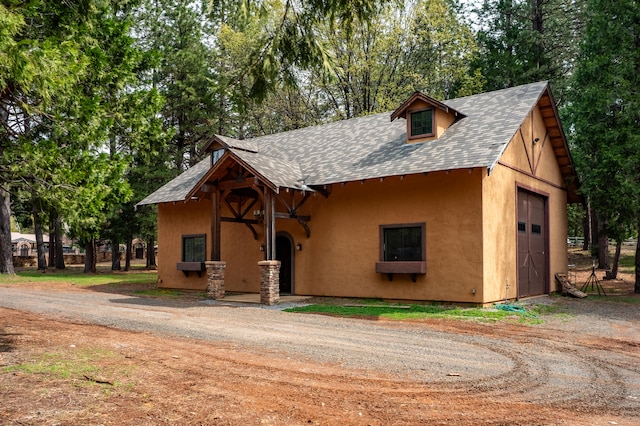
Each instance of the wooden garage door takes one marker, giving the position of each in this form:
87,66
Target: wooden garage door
532,243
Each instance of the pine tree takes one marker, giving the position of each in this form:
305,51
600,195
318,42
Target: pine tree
524,41
605,112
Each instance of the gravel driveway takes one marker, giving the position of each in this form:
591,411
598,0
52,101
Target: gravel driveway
588,358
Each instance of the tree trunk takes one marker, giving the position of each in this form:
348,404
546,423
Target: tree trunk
115,256
127,256
90,256
594,232
636,288
586,227
6,253
94,261
37,227
537,24
603,247
151,253
59,256
613,274
52,239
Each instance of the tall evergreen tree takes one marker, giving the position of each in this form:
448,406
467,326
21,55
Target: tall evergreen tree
523,41
174,31
55,131
38,61
605,112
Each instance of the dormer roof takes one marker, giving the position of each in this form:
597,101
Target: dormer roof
401,111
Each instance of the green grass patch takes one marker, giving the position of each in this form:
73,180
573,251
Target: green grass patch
77,277
555,310
378,309
81,365
627,261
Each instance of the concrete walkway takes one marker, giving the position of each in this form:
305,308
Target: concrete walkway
255,298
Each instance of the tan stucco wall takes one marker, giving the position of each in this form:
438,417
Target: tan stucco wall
339,258
500,209
238,247
175,220
242,254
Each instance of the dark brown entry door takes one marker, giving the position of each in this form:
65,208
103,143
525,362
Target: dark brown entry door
284,253
532,243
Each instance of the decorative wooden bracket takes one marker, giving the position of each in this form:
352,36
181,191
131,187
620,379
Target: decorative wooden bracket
292,211
414,276
412,268
239,213
303,222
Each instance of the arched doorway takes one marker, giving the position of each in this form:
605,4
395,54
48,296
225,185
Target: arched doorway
284,253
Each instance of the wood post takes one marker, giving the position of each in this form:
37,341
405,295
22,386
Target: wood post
215,225
269,225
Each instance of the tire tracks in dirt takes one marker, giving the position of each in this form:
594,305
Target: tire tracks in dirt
295,353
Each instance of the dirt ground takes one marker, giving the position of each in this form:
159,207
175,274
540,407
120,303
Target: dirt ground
86,374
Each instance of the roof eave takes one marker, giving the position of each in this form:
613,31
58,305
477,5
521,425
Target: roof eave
567,170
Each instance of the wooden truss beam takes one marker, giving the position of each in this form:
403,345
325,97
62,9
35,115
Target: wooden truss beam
237,184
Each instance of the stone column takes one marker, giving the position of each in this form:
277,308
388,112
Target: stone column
269,282
215,279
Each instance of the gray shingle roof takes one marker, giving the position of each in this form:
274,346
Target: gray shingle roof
281,172
178,188
373,146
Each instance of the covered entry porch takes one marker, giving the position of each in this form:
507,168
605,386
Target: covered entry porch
241,195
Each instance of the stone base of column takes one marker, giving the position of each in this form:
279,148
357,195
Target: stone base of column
215,279
269,282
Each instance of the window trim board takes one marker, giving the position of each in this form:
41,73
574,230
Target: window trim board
422,225
421,135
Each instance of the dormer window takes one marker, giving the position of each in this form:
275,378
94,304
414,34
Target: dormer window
426,117
216,154
421,123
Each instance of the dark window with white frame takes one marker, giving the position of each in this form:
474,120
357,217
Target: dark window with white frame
403,242
194,248
421,123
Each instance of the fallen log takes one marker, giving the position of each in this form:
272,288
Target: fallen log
568,288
